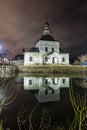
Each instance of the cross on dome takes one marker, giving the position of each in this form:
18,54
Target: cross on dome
46,33
46,29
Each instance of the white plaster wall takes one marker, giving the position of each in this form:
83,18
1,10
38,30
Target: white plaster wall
37,58
54,55
66,56
42,44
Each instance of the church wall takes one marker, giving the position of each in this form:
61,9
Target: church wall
36,58
49,44
50,57
66,58
39,58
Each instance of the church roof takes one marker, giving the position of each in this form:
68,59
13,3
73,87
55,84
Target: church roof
47,38
62,51
34,49
19,57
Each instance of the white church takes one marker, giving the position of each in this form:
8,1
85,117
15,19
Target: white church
46,51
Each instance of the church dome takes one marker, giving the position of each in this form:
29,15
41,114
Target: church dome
46,36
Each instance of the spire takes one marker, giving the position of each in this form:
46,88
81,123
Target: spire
46,33
46,29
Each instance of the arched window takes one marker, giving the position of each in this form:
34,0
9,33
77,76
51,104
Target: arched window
46,59
46,81
46,49
63,59
30,58
46,92
52,49
52,91
55,81
30,82
63,81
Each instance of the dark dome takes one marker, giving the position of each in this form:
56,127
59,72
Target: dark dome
47,38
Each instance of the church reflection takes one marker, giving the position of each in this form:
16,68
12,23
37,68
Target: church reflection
46,89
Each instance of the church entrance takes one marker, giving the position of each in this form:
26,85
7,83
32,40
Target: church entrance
55,60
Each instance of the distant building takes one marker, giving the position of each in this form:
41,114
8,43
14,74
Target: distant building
46,51
18,59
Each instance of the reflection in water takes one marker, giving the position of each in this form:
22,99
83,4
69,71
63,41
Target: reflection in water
46,89
84,83
81,82
48,98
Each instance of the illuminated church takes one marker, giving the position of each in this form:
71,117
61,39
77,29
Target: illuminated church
46,51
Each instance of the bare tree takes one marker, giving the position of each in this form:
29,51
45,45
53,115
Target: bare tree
8,93
80,109
21,120
82,58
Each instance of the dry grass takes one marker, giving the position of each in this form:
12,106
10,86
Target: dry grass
53,69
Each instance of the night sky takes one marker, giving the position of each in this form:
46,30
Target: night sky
22,23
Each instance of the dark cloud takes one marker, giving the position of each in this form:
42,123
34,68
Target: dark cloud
22,22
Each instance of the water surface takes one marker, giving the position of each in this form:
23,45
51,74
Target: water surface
36,102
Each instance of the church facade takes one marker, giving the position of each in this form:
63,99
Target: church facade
46,51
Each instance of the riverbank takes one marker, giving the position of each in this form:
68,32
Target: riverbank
53,69
8,70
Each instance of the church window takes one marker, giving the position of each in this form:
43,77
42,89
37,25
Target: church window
52,91
46,49
30,58
46,92
63,81
52,49
46,59
46,81
63,59
55,81
30,82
